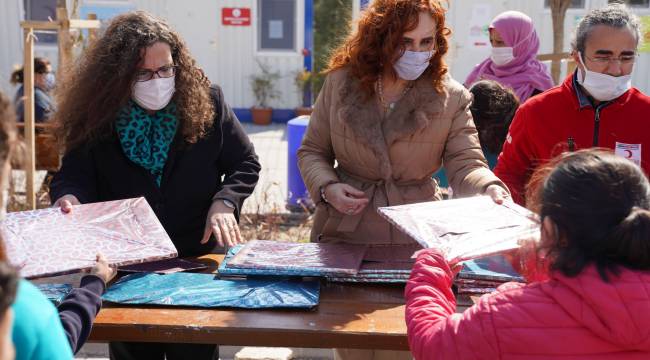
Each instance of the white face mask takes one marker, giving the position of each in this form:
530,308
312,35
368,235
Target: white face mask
50,81
603,87
413,63
502,55
154,94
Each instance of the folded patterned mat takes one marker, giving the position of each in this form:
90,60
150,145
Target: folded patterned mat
207,291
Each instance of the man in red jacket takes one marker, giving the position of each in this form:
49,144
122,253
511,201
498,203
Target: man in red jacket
595,107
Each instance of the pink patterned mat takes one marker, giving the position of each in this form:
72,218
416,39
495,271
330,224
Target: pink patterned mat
48,242
324,258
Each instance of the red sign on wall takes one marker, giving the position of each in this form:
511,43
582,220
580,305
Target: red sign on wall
236,16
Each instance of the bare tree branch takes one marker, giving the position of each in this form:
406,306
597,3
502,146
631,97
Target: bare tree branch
558,13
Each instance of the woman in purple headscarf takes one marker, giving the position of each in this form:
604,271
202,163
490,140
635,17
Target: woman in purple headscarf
513,61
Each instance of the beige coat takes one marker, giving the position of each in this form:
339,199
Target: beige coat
392,159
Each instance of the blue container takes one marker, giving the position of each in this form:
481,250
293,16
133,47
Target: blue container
297,192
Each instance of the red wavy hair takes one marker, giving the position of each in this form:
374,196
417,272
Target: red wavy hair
379,32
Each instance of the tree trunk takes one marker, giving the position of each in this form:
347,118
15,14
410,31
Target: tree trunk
558,12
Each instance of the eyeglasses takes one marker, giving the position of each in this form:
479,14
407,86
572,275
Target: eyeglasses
606,60
163,72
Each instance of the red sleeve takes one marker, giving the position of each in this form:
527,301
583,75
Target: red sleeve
516,158
435,330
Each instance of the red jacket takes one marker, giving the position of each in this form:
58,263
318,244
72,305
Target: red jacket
559,120
563,318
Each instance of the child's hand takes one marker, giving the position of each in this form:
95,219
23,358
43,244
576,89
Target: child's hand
103,270
455,269
528,260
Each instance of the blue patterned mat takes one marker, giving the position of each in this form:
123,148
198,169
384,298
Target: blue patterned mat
205,290
494,268
54,292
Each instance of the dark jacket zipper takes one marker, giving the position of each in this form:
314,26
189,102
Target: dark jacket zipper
571,143
596,126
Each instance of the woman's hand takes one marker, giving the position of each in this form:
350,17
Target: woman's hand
65,202
345,198
102,270
497,193
222,223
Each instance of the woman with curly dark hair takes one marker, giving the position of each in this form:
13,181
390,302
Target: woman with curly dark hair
137,117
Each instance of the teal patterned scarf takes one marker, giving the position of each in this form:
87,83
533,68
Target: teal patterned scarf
145,138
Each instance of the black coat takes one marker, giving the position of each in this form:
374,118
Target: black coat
191,180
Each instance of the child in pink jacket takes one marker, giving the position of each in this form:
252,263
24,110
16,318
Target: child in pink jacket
595,303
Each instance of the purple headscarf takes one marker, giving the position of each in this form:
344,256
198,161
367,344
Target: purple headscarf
525,73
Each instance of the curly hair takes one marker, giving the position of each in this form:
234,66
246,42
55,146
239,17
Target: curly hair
493,107
370,49
94,90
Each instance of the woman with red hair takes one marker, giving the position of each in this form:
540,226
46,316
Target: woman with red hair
389,115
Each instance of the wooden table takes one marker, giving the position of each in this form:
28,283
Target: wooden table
360,316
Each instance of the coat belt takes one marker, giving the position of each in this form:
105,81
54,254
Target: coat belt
391,188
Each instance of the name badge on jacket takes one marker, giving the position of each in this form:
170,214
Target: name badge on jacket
631,152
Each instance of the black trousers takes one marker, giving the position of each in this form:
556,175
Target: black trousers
158,351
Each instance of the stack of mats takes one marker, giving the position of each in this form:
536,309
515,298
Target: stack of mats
375,264
482,276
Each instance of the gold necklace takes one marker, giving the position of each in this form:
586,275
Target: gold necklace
388,107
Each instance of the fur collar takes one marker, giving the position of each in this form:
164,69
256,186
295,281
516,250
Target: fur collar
419,106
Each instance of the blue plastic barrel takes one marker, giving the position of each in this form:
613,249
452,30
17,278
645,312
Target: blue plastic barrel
297,192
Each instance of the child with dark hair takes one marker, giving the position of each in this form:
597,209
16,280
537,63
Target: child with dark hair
493,107
8,285
594,294
40,331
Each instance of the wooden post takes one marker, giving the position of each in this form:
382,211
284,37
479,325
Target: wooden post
28,86
65,59
65,42
92,33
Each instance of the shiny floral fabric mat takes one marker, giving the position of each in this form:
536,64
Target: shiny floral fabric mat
48,242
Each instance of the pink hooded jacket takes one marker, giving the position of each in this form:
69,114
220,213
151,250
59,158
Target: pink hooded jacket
562,318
